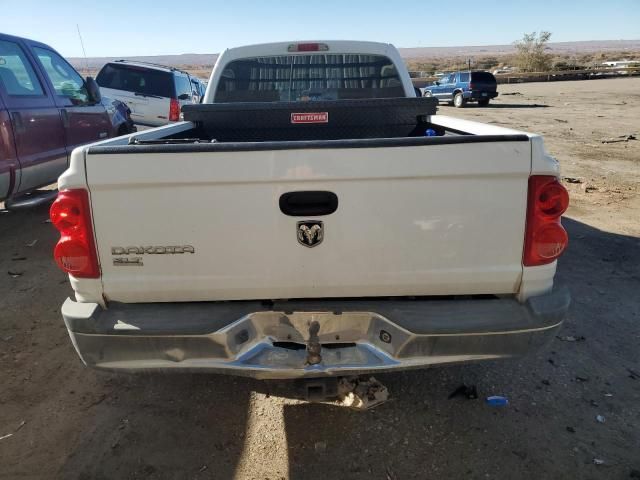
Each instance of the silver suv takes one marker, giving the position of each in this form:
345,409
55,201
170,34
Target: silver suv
154,93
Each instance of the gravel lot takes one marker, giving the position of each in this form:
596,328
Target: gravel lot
70,422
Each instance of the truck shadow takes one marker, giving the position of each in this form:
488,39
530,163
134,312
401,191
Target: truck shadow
195,426
501,105
164,426
421,430
512,105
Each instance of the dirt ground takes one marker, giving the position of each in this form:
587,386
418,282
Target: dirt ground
69,422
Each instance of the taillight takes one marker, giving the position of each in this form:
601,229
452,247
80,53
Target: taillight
174,110
471,86
308,47
545,238
75,252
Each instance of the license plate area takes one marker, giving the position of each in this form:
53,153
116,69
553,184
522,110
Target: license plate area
275,356
289,341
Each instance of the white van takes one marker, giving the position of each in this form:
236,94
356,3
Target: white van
154,93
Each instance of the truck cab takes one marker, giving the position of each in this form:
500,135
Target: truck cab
46,110
307,72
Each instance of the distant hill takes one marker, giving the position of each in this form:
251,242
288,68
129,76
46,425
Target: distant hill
201,59
195,59
556,48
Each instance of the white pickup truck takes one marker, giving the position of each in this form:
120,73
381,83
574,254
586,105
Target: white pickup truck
311,218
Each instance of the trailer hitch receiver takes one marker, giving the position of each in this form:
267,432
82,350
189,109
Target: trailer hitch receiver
313,345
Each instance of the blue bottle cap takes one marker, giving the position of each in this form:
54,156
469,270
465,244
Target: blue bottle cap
497,401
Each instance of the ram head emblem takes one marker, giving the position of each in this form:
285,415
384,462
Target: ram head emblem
310,233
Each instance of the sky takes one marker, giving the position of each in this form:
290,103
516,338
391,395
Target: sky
138,27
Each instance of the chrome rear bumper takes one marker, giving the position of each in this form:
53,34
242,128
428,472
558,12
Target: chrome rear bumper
355,336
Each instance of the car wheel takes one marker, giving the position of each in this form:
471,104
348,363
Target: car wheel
458,100
427,93
483,102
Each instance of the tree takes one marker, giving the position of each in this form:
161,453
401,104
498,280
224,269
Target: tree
485,63
532,55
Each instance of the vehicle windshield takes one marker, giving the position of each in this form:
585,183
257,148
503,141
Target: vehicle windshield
136,79
309,77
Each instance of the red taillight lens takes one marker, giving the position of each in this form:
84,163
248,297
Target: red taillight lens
549,241
174,110
471,86
65,213
75,252
545,238
72,256
308,47
552,199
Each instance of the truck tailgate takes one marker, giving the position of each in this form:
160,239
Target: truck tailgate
428,219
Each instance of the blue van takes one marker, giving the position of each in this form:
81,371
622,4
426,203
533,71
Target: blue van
462,87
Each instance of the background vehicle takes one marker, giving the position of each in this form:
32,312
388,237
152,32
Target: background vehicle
321,235
46,110
120,115
462,87
154,93
199,88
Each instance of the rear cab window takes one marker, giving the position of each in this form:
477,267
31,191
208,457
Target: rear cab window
483,77
17,76
141,80
285,78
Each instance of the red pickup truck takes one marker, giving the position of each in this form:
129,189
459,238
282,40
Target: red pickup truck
46,110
